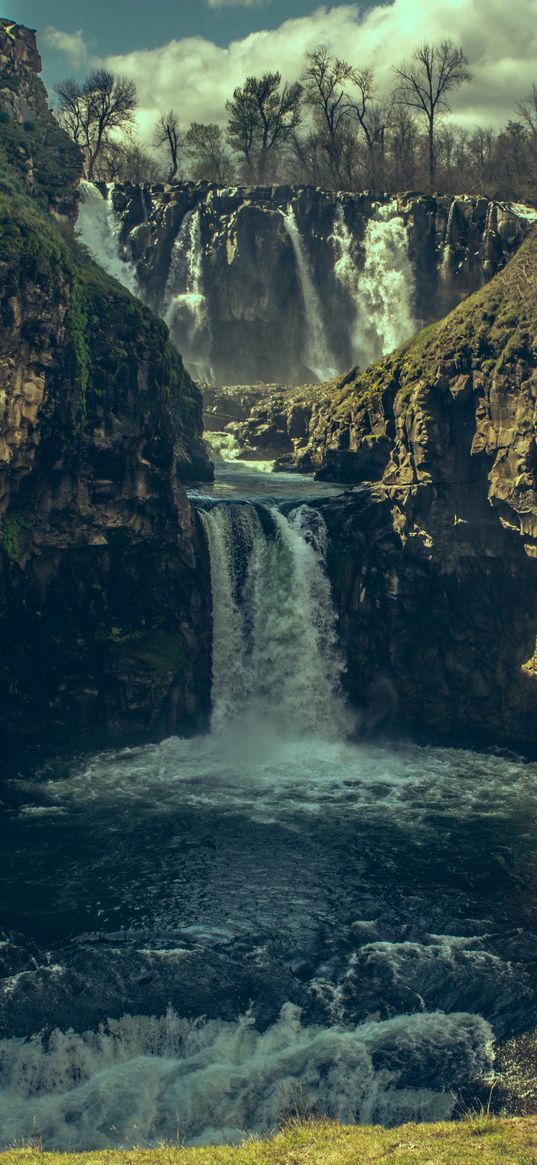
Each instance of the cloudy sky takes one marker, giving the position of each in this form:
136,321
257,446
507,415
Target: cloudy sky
190,54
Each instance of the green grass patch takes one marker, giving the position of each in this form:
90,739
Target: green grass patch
508,1142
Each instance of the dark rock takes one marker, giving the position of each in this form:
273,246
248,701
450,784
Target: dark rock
104,593
256,323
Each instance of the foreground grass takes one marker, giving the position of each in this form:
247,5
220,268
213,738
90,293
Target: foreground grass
476,1140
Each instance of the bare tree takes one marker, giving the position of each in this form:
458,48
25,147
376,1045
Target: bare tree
205,145
480,161
404,149
262,118
168,133
373,117
527,110
307,162
513,162
325,79
424,83
91,112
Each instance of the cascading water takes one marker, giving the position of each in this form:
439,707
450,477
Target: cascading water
219,931
334,912
185,303
382,292
275,657
98,229
317,355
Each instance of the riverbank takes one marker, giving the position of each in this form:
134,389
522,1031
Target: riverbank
478,1138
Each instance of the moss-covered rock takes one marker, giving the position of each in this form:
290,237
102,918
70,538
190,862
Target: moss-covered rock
99,427
434,560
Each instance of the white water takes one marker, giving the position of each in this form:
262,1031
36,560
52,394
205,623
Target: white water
224,450
144,1079
185,303
98,229
382,291
317,355
275,659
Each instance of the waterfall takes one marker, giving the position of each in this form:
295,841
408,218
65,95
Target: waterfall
382,292
275,656
185,304
445,272
316,352
98,229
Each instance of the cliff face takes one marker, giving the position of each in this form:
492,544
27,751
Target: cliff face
434,557
104,605
296,284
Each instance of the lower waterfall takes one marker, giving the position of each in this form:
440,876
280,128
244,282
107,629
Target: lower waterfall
268,920
271,608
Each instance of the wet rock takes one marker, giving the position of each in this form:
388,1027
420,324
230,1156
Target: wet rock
256,314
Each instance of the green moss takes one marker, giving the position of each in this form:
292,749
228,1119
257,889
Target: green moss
29,239
14,527
39,144
76,323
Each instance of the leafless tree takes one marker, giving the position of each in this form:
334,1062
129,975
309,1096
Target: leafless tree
373,118
527,110
91,112
480,161
326,80
205,146
168,133
404,149
425,82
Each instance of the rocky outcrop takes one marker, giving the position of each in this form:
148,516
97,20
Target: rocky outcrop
434,554
33,148
228,404
104,604
221,265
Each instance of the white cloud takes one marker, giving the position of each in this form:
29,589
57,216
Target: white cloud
72,44
237,3
196,77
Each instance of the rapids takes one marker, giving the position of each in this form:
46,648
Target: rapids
203,936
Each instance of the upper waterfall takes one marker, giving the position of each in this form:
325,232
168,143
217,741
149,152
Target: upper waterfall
287,284
380,290
98,229
185,304
316,353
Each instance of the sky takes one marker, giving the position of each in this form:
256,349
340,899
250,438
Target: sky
190,54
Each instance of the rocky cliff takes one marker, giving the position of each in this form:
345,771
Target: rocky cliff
104,610
297,284
434,554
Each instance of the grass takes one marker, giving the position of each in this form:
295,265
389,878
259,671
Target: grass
322,1142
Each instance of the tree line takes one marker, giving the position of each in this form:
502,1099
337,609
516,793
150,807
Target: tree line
332,128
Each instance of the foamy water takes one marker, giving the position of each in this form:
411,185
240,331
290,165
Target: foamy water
204,936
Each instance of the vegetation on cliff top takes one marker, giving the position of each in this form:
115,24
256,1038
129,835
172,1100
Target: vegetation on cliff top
477,1140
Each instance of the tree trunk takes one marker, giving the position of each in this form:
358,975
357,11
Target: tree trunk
432,159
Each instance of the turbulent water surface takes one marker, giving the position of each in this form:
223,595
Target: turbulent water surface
204,935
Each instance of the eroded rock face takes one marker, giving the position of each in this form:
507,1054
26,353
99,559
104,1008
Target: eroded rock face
434,556
104,594
221,265
46,162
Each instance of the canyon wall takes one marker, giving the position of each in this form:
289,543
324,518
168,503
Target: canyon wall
104,599
434,549
291,285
